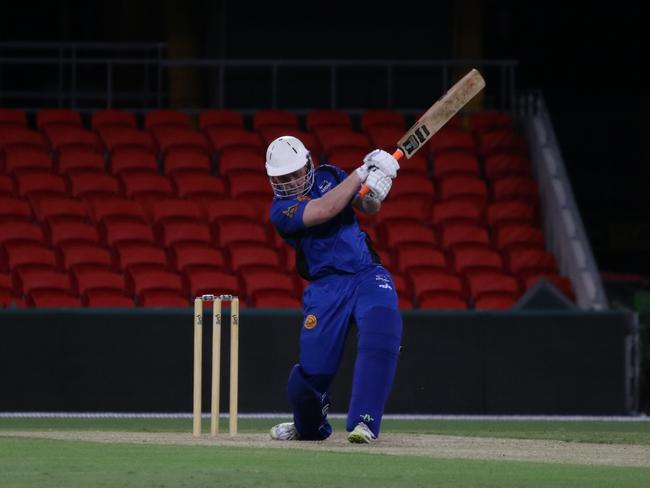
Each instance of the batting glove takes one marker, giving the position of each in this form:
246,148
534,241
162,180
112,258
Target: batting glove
379,184
383,161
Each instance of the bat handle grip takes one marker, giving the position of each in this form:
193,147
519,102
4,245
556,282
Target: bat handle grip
364,189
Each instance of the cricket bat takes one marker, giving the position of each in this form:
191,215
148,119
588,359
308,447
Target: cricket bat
437,116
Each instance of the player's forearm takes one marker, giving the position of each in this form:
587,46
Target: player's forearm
324,208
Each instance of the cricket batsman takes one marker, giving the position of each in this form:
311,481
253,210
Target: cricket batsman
313,212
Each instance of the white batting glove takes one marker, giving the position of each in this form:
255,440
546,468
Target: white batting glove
362,172
383,161
379,184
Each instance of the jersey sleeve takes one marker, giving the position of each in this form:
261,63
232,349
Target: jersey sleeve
286,215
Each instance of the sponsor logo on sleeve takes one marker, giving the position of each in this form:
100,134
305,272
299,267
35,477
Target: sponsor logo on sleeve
289,212
310,321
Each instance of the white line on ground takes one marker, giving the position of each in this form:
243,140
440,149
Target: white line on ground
273,415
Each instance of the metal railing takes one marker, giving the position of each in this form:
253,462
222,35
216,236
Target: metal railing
73,64
564,230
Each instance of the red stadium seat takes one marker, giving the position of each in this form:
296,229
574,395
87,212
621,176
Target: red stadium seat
115,209
62,232
30,279
455,211
21,136
527,262
247,184
455,163
204,281
485,121
331,138
18,231
111,117
347,158
107,299
414,187
419,256
464,235
6,185
220,118
509,237
80,254
12,209
385,136
327,118
400,233
85,279
143,255
89,185
515,188
227,209
506,164
282,118
504,213
58,116
449,139
64,136
133,159
56,208
440,282
28,254
236,159
157,118
471,261
403,210
196,185
145,186
492,284
163,298
174,210
115,232
196,255
10,117
275,299
494,302
52,299
184,231
82,159
183,159
245,257
223,137
18,158
173,138
231,231
382,118
117,137
461,188
256,281
501,141
140,280
38,182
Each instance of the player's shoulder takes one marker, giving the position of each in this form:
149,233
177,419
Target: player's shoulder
331,170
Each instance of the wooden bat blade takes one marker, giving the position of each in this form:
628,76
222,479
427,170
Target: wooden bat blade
441,112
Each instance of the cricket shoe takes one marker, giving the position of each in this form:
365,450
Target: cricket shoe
361,434
285,431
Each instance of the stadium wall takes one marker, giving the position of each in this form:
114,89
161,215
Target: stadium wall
572,363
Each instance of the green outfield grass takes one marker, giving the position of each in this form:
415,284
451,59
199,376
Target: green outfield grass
32,462
589,431
39,463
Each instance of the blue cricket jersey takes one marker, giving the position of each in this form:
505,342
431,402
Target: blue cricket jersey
337,246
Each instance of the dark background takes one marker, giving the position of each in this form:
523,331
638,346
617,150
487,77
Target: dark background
586,59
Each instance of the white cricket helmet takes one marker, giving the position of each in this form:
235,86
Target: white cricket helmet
286,155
